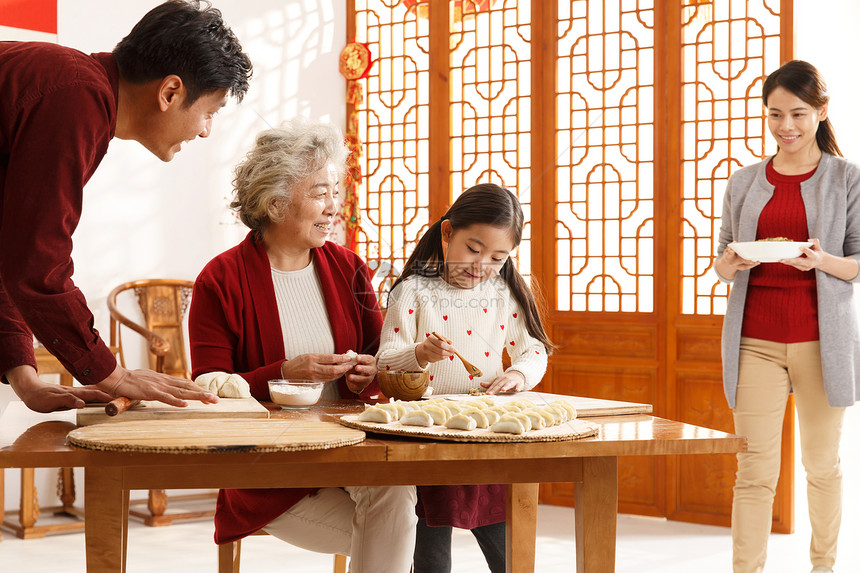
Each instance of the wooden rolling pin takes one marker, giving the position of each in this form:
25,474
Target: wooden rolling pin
119,405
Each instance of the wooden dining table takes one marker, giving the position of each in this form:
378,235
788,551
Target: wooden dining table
590,464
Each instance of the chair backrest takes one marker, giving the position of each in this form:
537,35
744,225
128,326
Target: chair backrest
382,276
163,304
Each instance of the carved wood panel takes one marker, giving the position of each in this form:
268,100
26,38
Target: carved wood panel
617,124
639,486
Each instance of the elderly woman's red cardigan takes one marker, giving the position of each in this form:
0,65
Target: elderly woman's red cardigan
233,327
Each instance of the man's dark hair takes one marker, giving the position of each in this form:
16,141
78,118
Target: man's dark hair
191,41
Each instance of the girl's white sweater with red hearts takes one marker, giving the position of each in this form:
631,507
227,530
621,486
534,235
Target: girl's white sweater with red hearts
481,322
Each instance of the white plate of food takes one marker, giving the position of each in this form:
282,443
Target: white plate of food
770,250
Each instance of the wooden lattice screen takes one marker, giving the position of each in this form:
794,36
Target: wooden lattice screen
617,123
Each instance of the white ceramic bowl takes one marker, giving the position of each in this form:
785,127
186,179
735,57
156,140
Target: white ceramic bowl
769,251
295,394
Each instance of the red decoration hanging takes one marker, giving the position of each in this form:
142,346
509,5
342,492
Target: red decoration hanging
355,62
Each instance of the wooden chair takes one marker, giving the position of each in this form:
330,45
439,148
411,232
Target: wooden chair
229,554
24,521
163,304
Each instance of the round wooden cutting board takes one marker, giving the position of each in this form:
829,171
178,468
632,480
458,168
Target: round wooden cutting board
571,430
207,436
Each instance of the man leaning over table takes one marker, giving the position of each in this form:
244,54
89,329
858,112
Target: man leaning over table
59,109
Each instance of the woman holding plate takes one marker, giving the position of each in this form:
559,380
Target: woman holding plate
791,326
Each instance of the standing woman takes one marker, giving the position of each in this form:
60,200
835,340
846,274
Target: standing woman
791,326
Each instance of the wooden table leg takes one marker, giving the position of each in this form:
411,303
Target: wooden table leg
106,518
521,527
2,496
596,515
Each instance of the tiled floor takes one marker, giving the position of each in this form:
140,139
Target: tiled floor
644,544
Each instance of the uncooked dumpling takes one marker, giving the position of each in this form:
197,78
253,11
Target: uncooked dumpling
353,357
417,418
567,406
508,424
394,409
461,422
478,415
440,415
538,422
375,414
492,417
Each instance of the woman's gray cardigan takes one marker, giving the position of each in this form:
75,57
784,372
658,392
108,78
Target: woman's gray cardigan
832,200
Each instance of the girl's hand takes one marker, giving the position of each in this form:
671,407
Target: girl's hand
433,350
320,367
811,259
361,375
510,381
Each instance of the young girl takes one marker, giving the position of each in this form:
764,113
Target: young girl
791,326
462,284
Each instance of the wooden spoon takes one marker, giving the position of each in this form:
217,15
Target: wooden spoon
471,368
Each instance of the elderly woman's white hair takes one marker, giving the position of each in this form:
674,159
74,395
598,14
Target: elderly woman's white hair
282,158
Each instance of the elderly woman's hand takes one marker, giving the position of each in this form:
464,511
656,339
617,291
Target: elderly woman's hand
362,374
321,367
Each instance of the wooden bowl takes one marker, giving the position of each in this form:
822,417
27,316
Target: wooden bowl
402,385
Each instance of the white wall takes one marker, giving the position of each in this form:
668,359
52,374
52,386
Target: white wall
145,219
826,37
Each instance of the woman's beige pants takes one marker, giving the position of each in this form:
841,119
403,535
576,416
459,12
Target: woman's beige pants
768,372
375,526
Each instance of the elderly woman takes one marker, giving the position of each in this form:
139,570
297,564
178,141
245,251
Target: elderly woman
285,303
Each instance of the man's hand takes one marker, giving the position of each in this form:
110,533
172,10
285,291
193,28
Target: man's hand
149,385
41,396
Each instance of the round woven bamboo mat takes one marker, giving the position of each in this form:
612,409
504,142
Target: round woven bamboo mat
571,430
207,436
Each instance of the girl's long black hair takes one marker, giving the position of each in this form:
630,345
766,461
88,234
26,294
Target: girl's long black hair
488,204
803,80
